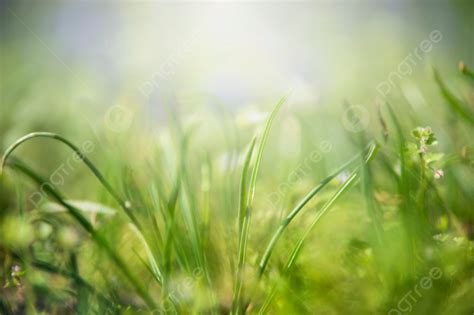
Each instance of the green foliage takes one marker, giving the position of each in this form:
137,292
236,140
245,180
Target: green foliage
353,231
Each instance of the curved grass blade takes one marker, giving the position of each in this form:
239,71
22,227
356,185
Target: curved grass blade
285,222
299,245
324,209
261,147
82,156
151,259
370,155
320,214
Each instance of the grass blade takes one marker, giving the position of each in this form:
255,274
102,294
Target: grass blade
285,222
261,147
324,209
245,211
96,237
243,224
82,156
151,259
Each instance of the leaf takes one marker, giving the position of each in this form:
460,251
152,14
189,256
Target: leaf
431,157
83,205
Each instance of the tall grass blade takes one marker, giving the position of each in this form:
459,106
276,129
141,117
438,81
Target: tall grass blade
299,244
243,224
151,259
245,214
285,222
261,148
354,175
324,209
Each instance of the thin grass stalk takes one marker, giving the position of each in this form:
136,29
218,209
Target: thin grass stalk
158,275
352,178
243,223
324,209
125,206
371,205
261,148
245,215
300,243
285,222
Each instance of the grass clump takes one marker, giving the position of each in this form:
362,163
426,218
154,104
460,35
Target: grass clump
193,237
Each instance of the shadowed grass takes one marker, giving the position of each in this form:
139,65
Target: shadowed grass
84,223
455,104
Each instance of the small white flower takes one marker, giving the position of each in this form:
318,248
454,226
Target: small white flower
438,174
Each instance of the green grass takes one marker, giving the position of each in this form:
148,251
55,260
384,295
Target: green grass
354,234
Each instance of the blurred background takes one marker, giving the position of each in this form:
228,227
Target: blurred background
101,53
112,71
